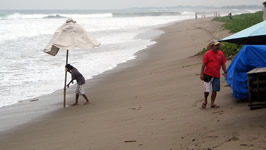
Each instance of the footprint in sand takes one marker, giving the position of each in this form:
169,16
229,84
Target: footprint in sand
135,108
197,102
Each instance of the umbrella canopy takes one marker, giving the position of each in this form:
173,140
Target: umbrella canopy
68,36
254,35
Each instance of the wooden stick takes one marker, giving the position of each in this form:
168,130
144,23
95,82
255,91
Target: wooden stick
65,80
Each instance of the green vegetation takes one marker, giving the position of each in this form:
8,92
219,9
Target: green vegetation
236,24
240,22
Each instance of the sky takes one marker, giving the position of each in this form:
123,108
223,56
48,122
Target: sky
115,4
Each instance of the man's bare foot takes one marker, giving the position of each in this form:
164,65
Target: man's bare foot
86,103
75,104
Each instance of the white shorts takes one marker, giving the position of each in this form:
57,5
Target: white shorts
207,86
80,89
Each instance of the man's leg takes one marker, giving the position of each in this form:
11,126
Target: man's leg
86,98
215,89
77,96
206,94
76,102
213,96
204,104
206,86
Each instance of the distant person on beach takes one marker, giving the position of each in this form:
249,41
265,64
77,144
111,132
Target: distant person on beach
230,16
212,61
264,10
76,75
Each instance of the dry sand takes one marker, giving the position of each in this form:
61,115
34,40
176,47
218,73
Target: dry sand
150,103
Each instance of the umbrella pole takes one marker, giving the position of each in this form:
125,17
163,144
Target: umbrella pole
65,80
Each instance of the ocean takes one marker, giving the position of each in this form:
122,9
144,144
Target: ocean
27,72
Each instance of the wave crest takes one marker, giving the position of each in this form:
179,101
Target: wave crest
142,14
16,16
54,16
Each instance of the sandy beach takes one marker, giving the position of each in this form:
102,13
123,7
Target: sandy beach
149,103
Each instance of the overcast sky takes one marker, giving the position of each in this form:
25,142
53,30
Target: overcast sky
115,4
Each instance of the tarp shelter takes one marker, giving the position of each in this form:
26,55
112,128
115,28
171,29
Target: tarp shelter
248,58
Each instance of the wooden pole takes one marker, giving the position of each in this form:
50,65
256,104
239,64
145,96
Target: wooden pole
65,80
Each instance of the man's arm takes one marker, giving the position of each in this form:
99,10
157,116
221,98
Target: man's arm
72,79
202,69
69,83
224,69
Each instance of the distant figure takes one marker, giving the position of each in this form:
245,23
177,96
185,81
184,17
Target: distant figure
230,16
264,10
76,75
215,14
196,16
212,61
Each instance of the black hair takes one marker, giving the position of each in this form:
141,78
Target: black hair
69,67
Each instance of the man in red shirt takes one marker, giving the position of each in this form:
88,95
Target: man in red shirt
212,61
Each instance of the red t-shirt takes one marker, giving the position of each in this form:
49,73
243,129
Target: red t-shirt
213,62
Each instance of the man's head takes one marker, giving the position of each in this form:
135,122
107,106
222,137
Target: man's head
214,44
68,67
264,3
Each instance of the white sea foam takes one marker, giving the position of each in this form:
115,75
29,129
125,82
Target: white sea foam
188,13
19,16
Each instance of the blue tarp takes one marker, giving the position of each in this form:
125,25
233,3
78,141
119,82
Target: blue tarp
248,58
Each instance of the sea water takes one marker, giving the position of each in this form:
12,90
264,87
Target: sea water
27,72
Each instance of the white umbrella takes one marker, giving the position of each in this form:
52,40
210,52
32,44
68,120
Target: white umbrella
68,36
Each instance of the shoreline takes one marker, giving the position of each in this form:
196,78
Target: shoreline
151,102
153,33
44,108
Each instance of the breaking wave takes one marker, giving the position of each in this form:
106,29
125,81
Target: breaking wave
140,14
54,16
16,16
20,16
